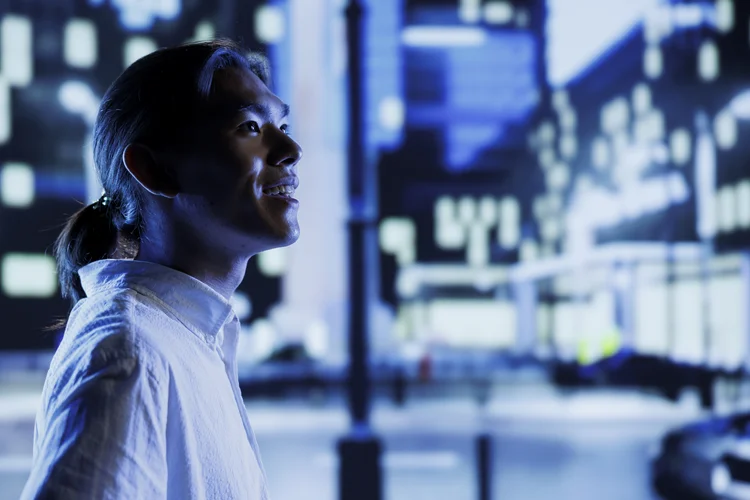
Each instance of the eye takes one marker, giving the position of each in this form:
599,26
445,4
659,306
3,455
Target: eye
251,126
285,129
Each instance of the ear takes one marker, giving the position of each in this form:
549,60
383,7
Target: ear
141,162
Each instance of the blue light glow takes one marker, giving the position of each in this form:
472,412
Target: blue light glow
138,15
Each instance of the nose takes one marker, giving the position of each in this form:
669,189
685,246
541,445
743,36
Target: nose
285,152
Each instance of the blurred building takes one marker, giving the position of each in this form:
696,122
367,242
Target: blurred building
541,192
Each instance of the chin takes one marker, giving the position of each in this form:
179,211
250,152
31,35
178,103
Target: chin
289,239
280,239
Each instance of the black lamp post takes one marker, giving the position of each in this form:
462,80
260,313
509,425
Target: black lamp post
360,450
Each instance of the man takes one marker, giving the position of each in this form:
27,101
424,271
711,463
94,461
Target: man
142,399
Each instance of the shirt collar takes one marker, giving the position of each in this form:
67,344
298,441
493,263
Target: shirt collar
198,306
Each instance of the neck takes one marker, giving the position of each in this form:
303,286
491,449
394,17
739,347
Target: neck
211,264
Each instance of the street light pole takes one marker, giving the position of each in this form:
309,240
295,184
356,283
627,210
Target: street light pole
360,450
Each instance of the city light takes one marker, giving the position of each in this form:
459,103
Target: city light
443,36
16,185
80,45
16,50
28,275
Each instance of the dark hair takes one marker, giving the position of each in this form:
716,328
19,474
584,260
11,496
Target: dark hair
144,104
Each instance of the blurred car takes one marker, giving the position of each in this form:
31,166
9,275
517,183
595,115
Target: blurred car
629,369
705,460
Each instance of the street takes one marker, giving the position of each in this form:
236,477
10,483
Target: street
587,445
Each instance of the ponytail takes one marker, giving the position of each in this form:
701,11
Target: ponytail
89,235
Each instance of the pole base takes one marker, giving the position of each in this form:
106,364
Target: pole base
360,475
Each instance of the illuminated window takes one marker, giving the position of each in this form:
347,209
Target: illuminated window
658,24
726,210
680,146
204,31
687,319
469,11
546,157
263,338
270,25
726,318
689,15
740,105
391,113
467,210
407,284
445,208
558,177
651,319
650,127
600,155
17,185
724,15
498,12
567,320
137,47
568,146
16,56
529,250
478,248
475,323
743,204
726,216
78,98
317,336
273,263
398,237
708,61
568,120
443,36
5,111
29,275
615,115
80,46
547,133
725,129
509,232
543,323
641,98
488,211
141,14
653,63
540,207
449,233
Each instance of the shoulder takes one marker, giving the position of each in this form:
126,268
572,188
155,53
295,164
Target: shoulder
104,333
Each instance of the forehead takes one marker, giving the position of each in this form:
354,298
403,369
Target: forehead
237,88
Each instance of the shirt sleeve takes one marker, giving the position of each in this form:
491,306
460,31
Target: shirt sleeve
105,430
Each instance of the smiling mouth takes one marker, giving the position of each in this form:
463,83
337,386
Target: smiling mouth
286,191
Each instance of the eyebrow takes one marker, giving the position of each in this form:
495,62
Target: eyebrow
263,110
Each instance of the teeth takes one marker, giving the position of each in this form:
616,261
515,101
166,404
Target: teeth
280,190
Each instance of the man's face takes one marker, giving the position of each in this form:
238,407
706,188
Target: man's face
238,174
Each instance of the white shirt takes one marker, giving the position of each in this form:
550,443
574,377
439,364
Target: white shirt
142,400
